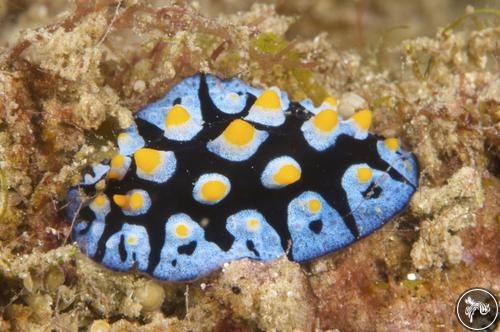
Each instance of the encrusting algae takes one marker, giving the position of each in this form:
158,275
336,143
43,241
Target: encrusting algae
70,83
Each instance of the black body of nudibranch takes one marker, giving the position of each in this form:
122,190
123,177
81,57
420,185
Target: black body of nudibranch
217,171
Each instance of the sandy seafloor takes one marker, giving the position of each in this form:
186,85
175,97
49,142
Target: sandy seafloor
73,73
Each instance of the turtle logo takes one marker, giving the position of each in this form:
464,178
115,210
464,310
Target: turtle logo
472,306
477,309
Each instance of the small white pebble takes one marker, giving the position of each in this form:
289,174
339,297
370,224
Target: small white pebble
100,326
150,296
411,276
42,10
349,103
50,230
203,286
12,105
139,86
319,267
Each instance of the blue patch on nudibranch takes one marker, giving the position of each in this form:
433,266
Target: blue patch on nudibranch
217,171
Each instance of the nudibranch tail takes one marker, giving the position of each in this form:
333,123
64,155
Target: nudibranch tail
218,170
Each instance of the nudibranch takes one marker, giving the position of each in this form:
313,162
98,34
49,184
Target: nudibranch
218,170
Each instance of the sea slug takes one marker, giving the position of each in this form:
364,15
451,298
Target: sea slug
218,170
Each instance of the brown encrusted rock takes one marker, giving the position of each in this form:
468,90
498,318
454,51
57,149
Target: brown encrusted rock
72,55
17,146
450,208
271,296
353,286
3,8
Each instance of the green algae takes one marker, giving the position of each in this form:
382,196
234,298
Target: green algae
207,43
413,284
476,11
306,83
269,43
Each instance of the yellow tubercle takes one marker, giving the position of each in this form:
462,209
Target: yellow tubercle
269,100
239,132
113,175
182,231
364,174
408,165
314,205
392,144
176,116
147,159
132,240
123,136
213,191
287,174
121,200
100,200
331,101
363,119
117,161
253,224
136,201
233,97
326,120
